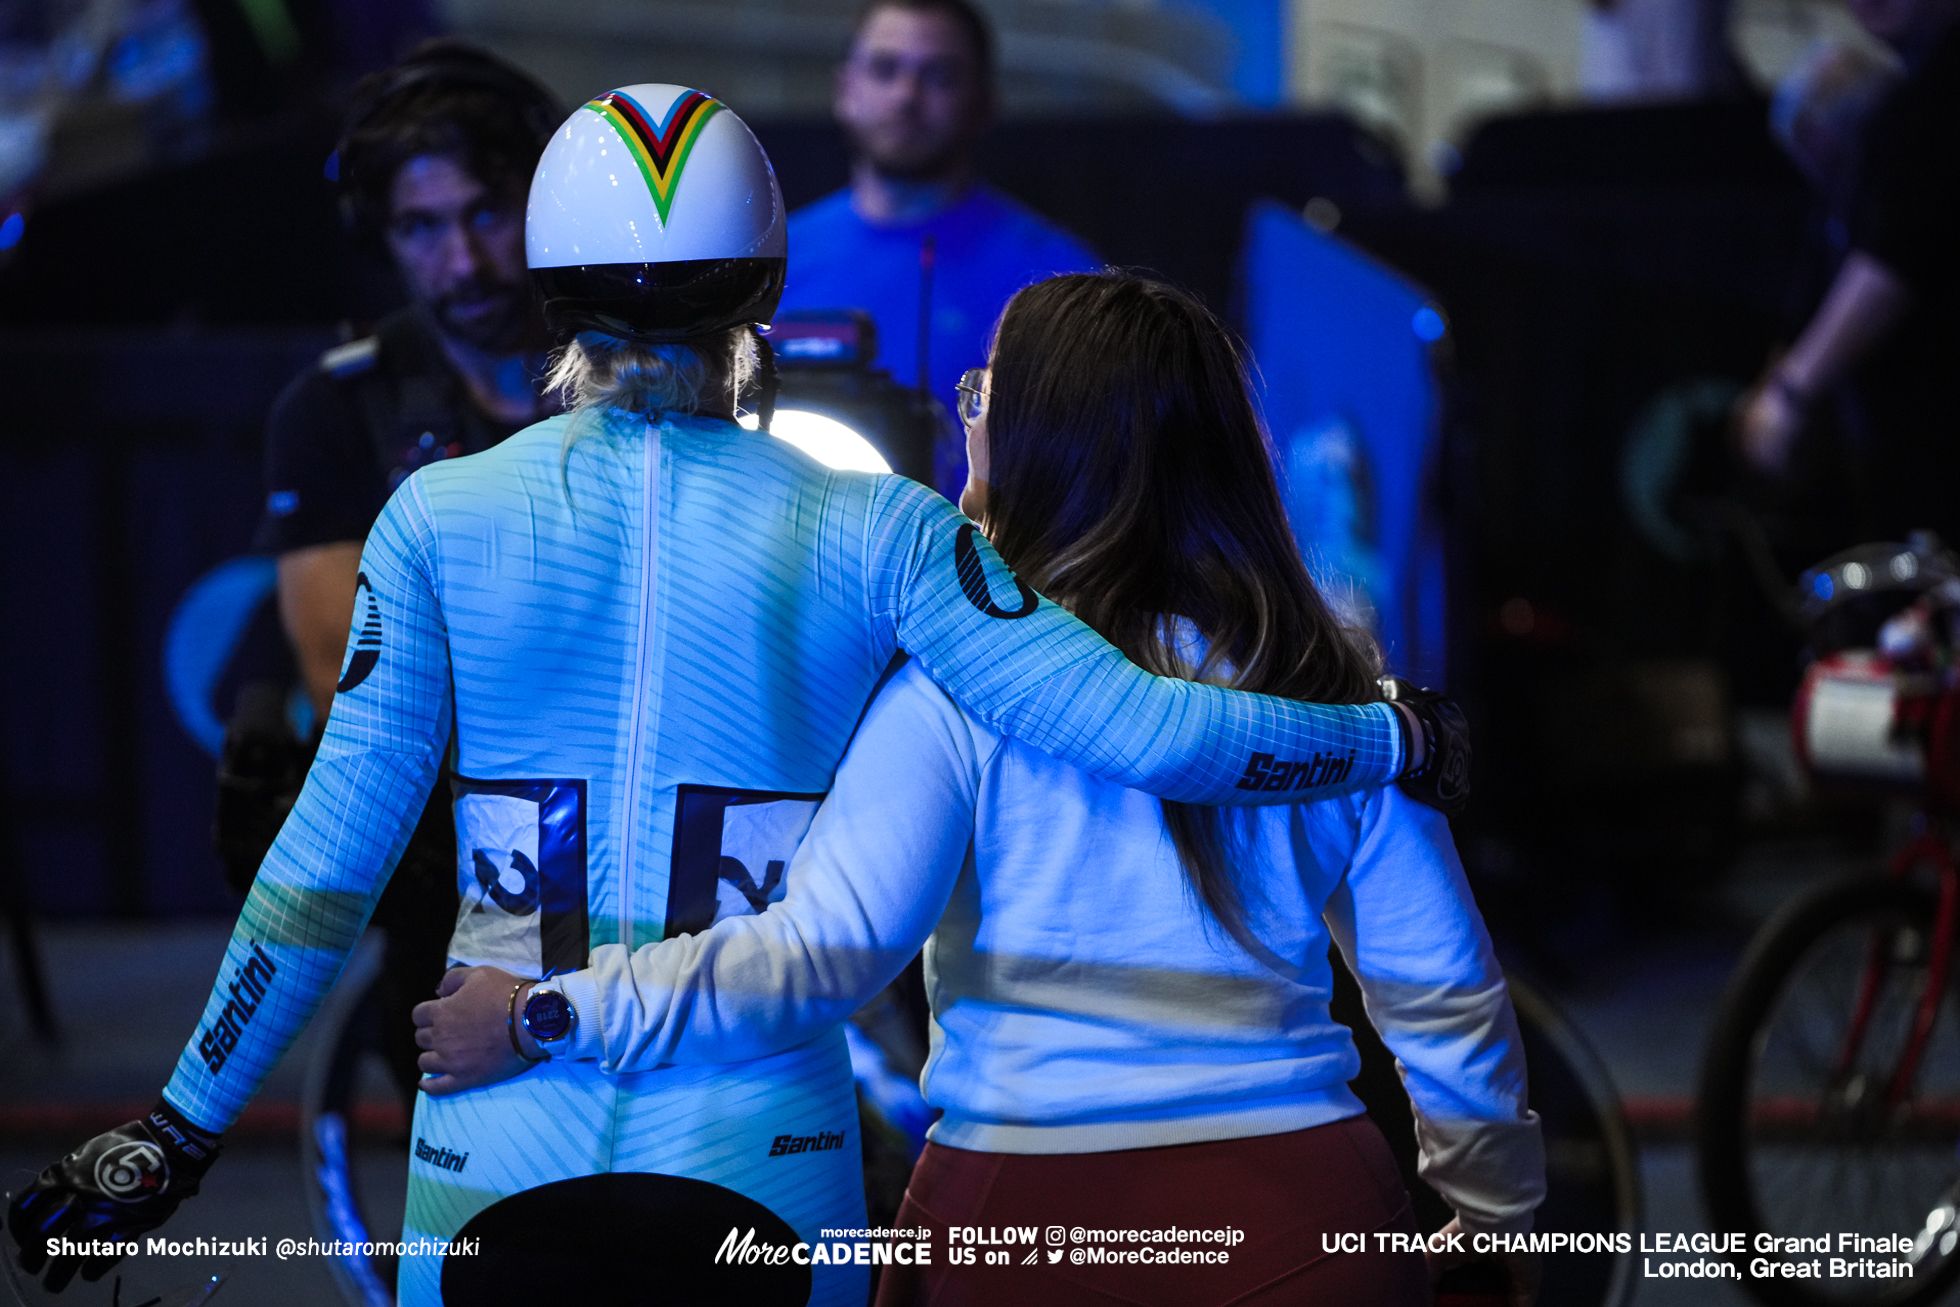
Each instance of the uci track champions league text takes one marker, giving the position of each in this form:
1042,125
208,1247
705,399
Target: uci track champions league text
1673,1256
1838,1256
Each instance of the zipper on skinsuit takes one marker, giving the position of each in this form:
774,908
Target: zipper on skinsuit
642,651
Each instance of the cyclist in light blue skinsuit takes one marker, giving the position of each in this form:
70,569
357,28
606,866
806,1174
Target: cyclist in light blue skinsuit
642,636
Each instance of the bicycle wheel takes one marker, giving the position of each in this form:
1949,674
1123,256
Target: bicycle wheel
1797,1132
349,1025
1592,1177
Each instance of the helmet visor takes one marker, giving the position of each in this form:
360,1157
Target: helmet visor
659,303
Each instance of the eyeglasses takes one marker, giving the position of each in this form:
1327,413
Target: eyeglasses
973,395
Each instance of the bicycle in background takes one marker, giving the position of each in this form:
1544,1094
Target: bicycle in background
1829,1103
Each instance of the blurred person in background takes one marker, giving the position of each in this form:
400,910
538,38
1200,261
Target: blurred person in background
1819,114
1654,50
434,165
120,87
916,232
1887,322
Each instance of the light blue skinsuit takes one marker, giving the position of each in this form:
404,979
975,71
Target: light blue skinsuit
610,653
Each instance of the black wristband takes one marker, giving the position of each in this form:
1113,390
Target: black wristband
1443,780
177,1131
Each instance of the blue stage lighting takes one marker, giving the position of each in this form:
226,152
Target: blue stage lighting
11,231
1428,324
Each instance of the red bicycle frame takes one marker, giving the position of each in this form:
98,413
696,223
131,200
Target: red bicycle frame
1933,847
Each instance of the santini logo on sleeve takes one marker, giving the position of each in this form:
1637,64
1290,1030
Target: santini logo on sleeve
247,992
1266,772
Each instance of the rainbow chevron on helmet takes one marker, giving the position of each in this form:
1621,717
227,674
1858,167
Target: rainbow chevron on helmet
617,243
660,151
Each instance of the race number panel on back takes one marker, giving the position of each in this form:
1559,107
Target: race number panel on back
520,867
732,849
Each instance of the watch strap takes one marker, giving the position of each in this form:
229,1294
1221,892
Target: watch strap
511,1026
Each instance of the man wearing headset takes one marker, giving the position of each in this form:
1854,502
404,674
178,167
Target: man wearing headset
433,164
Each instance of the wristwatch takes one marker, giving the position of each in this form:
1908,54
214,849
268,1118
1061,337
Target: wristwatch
550,1017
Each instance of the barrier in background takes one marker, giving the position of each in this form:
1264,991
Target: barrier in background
129,466
1341,345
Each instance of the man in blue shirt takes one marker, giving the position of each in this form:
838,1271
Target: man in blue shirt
916,235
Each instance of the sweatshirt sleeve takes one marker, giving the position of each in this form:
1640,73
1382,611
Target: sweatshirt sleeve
1031,670
863,891
363,796
1406,922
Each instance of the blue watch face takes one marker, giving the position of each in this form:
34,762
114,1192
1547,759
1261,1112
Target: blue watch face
548,1015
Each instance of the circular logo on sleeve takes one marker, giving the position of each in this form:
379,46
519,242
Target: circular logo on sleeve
367,645
973,579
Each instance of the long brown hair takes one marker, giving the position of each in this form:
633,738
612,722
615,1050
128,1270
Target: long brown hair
1131,482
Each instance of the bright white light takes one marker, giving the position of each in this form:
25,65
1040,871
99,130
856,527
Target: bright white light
827,440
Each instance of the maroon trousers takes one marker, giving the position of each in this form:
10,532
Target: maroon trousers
1291,1195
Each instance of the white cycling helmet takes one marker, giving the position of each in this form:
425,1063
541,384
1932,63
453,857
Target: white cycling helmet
654,215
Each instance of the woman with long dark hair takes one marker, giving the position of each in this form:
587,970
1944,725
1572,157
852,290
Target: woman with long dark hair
1130,996
1114,1049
